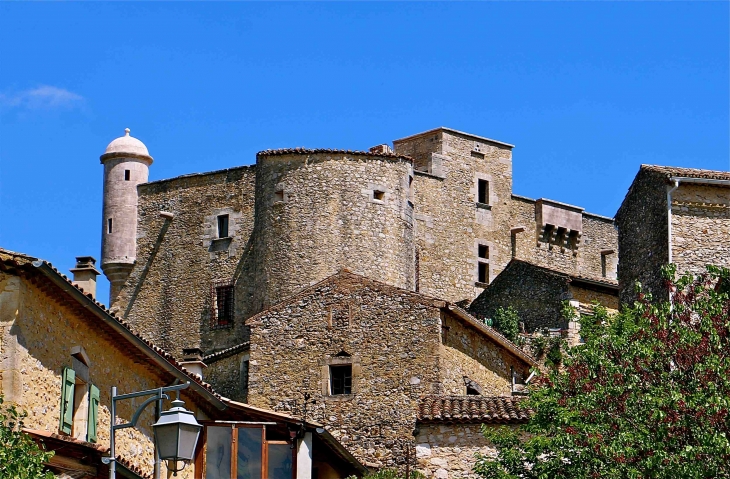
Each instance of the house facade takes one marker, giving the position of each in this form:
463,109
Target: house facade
62,352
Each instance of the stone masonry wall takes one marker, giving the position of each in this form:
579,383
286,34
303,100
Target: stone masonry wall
643,236
390,337
466,352
599,234
168,296
318,212
535,293
446,451
450,223
586,297
37,336
226,375
700,227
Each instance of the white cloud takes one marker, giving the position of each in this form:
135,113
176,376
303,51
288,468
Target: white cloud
42,97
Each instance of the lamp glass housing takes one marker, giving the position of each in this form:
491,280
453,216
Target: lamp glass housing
176,434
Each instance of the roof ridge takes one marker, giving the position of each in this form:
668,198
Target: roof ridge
305,151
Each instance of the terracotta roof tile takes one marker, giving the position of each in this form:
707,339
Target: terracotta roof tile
314,151
472,409
670,171
224,353
26,263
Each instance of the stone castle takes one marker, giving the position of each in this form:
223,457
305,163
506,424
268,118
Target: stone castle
435,215
349,287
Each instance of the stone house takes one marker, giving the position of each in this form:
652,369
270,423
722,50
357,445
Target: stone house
357,355
60,354
538,294
448,431
672,215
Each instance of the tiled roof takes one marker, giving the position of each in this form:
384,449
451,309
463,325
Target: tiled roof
224,353
608,282
314,151
472,409
670,171
98,450
11,259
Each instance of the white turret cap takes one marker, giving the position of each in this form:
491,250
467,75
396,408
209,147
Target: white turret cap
126,146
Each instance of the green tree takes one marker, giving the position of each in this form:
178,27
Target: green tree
507,322
646,396
20,456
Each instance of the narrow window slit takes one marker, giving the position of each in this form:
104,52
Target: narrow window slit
223,226
483,192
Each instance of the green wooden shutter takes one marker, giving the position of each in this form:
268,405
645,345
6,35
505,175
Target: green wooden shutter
93,413
67,400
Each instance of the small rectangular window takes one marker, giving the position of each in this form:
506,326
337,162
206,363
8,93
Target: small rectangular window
109,226
483,272
483,193
126,175
279,196
483,251
341,379
223,304
223,226
378,195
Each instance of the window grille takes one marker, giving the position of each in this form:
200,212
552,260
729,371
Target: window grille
222,304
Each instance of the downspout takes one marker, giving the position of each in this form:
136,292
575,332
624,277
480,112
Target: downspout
669,216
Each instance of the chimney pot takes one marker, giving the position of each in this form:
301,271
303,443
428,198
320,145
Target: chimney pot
85,274
193,361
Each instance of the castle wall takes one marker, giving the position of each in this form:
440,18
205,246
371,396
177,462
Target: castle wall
389,336
37,333
700,227
318,212
598,235
450,223
169,296
643,237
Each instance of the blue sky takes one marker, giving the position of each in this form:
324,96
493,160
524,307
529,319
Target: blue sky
586,91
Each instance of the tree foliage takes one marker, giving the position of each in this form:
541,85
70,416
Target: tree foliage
646,396
507,322
20,456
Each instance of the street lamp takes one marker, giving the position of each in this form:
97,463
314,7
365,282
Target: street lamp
176,432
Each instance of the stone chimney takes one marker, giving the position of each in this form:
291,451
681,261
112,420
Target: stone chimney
193,361
85,274
381,150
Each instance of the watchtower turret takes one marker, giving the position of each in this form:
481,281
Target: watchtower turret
126,164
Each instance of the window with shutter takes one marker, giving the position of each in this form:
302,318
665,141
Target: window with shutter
67,401
93,413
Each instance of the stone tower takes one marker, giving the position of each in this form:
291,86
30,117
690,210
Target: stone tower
318,211
126,164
